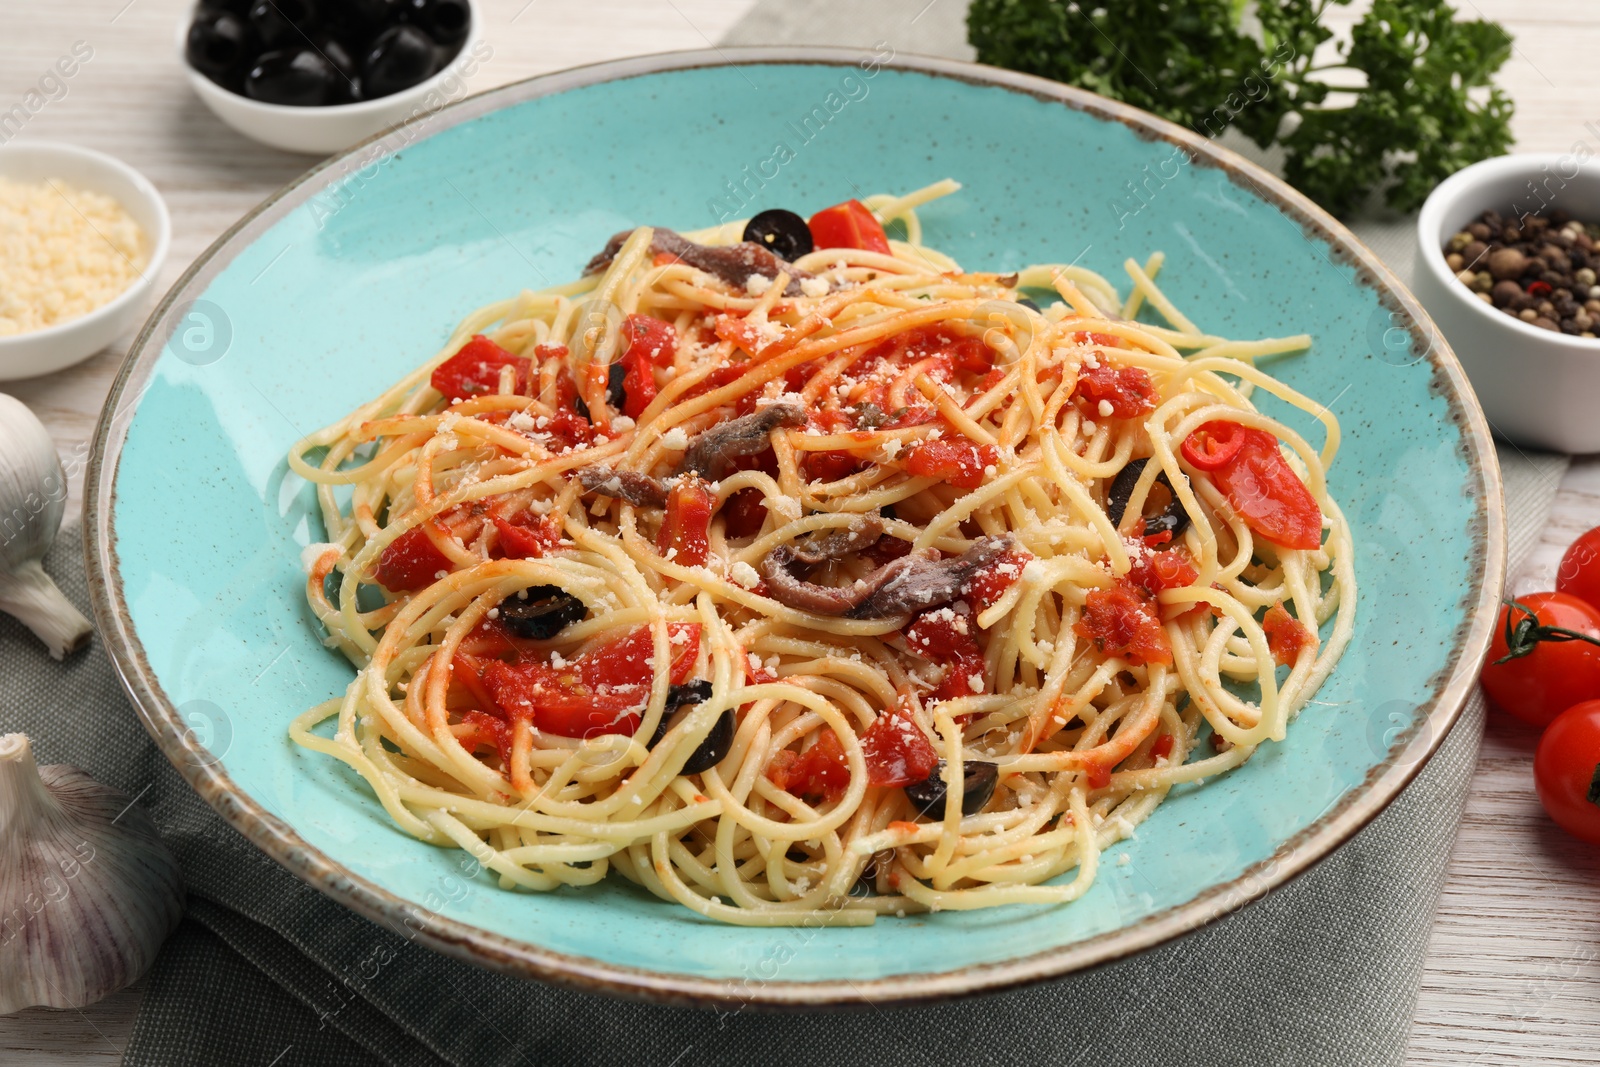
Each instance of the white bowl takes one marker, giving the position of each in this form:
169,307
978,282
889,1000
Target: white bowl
1537,387
26,355
321,130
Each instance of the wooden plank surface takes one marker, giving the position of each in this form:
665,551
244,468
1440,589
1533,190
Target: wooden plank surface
1513,970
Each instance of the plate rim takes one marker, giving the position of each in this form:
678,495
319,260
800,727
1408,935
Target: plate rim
498,952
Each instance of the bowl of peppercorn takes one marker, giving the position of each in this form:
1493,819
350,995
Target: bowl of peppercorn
1507,266
316,76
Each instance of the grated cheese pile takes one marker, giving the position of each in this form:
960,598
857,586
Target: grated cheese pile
63,253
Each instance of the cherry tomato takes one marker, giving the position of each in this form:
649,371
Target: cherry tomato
1579,573
849,225
1124,622
412,561
1549,674
963,463
1566,771
820,771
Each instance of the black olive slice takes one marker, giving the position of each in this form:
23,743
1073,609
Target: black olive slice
783,233
221,45
711,751
1173,520
616,395
543,613
679,696
977,786
1025,302
399,58
714,748
297,77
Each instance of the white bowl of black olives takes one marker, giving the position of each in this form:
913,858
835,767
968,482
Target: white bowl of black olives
316,76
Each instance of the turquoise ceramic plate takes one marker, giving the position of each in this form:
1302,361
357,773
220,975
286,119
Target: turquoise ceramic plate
355,273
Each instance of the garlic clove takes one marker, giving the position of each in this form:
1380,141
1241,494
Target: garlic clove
33,498
88,890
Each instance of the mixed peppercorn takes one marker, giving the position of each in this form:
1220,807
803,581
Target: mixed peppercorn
1539,268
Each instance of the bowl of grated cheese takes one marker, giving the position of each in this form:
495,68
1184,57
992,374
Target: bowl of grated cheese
82,238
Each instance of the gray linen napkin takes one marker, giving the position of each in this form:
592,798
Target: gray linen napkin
265,970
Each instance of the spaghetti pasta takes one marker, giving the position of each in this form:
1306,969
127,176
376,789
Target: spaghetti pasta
848,586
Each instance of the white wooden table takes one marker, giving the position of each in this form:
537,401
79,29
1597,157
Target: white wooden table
1513,970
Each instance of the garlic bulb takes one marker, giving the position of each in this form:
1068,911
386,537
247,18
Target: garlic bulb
88,890
33,495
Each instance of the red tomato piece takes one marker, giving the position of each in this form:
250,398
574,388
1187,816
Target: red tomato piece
1286,635
1566,771
744,513
896,750
1155,571
820,771
950,637
1579,573
685,536
1129,391
1123,622
601,692
849,225
487,730
832,465
651,338
412,561
475,370
1550,674
986,587
1162,748
953,459
1258,482
527,536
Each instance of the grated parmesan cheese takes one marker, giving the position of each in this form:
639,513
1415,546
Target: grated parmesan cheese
63,253
744,574
814,287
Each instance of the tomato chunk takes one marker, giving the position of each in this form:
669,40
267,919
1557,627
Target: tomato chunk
832,465
849,225
820,771
1247,466
1123,622
948,636
475,370
685,536
412,561
600,692
652,338
1128,392
528,536
896,750
1155,571
986,587
962,463
1286,635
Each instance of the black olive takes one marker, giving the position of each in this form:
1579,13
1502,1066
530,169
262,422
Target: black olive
349,70
399,58
284,23
1025,302
711,751
221,45
1173,520
362,20
784,233
581,408
543,613
298,77
233,7
616,395
977,786
446,21
887,511
679,696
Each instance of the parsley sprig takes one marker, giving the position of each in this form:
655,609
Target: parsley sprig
1422,105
